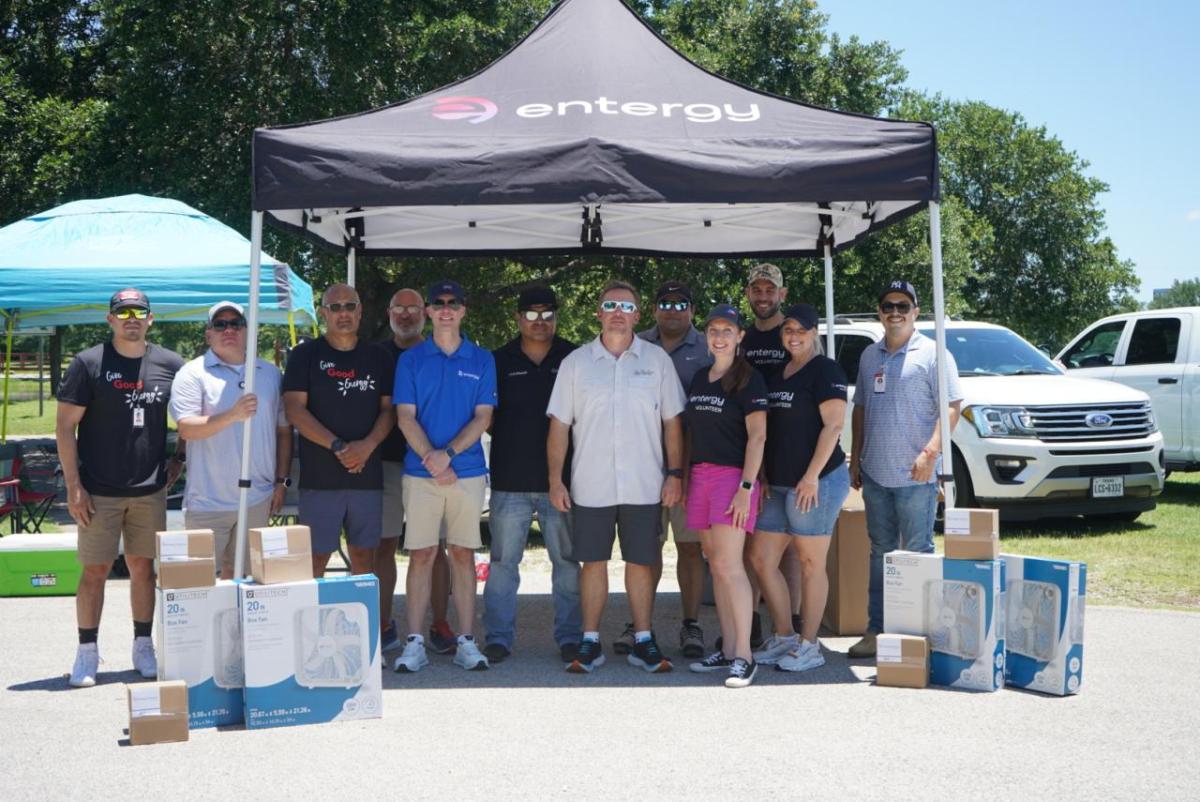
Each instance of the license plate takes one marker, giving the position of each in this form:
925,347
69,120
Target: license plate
1108,486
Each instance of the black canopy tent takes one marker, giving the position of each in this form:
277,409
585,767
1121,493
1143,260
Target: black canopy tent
593,135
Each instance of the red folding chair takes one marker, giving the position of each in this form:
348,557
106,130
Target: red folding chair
33,504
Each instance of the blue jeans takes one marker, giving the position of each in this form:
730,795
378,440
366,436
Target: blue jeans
511,515
897,518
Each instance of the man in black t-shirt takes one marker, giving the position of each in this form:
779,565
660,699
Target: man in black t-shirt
338,394
111,430
765,293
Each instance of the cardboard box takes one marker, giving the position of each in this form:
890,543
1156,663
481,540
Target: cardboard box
1046,602
199,635
311,651
185,558
39,565
902,661
848,567
972,534
958,605
280,554
158,712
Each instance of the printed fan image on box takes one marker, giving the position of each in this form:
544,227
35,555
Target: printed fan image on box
1033,619
332,645
227,649
954,617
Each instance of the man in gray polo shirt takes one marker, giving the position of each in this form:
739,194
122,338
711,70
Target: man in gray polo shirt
896,426
210,406
674,333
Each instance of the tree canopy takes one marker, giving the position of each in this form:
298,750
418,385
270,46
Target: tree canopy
1180,293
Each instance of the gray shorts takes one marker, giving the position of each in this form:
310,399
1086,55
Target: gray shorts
327,512
593,530
393,499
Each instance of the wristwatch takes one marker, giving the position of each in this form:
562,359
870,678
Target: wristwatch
676,472
286,481
747,485
337,445
450,452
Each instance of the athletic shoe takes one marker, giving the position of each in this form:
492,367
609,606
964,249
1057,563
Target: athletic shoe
589,658
87,663
389,639
691,639
805,657
716,661
648,656
624,644
496,652
864,648
756,635
468,656
741,673
144,661
442,638
413,658
568,652
775,648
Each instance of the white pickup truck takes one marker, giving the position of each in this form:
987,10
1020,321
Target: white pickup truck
1034,443
1158,352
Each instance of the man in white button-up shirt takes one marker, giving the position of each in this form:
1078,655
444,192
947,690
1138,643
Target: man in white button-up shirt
620,400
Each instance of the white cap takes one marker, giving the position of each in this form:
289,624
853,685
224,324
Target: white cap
219,305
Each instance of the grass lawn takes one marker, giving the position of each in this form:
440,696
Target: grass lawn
23,417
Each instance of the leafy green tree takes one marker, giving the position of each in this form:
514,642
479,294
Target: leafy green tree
1180,293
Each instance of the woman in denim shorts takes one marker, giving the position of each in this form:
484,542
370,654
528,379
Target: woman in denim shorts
807,483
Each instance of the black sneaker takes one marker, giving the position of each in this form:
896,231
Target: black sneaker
741,673
624,644
648,656
588,659
568,652
756,634
496,652
716,661
691,638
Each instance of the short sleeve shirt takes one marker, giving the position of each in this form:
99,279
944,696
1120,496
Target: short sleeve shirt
445,389
764,349
794,423
117,457
689,356
717,420
898,393
207,386
345,390
615,407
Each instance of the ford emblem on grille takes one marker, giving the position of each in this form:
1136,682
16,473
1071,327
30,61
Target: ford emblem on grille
1098,420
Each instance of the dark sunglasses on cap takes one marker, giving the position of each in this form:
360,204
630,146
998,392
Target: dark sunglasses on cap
411,309
348,306
532,314
438,303
903,307
628,307
233,324
131,312
674,306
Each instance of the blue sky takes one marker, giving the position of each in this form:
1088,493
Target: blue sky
1118,82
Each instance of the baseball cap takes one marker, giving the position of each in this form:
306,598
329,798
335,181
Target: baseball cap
220,306
768,271
673,288
724,312
536,296
902,286
130,296
804,314
446,287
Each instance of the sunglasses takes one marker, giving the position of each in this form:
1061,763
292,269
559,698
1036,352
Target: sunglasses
131,312
628,307
532,314
348,306
411,309
453,305
674,306
902,307
233,324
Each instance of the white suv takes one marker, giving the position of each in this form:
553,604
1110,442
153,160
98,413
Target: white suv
1034,443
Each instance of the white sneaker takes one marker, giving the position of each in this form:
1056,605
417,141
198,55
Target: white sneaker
775,648
804,658
468,655
87,663
144,660
413,658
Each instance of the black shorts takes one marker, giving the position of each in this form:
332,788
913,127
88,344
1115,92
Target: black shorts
636,525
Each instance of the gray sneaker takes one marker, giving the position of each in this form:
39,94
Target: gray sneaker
624,644
691,639
776,647
413,658
805,657
468,656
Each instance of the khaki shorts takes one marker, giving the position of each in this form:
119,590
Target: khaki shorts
676,517
138,518
393,499
224,528
430,505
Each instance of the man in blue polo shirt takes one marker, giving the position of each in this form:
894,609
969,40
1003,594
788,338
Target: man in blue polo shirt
445,393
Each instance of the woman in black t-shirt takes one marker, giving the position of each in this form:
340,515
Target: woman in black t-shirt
726,418
807,483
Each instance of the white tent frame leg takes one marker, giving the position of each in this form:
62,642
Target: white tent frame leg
939,322
256,226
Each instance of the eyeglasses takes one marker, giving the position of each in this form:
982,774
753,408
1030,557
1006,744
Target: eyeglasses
674,306
233,324
628,307
454,305
411,309
532,314
131,312
902,307
348,306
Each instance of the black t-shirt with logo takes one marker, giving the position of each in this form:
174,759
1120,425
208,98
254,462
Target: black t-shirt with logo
394,447
116,457
764,350
344,393
794,423
520,424
717,421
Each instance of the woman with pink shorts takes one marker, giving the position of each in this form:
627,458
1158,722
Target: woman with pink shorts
726,418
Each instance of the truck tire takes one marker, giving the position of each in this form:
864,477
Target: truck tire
964,488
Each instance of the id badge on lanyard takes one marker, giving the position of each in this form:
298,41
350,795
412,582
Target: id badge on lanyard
880,382
139,417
